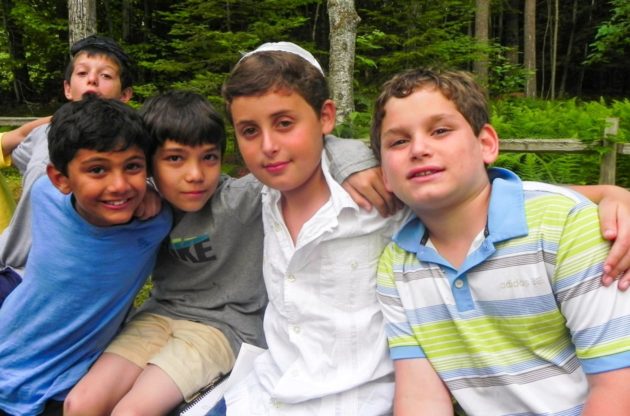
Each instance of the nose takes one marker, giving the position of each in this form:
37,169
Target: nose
194,173
92,78
269,146
119,183
420,147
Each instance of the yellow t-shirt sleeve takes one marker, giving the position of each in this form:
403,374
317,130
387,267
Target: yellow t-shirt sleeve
4,160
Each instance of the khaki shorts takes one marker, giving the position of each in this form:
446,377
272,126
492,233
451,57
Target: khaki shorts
192,354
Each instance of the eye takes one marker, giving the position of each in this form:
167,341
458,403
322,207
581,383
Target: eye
398,142
441,131
173,158
285,123
96,170
107,76
211,157
249,131
135,166
81,73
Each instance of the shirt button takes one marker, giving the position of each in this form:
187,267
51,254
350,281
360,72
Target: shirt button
291,277
276,227
296,329
354,265
459,283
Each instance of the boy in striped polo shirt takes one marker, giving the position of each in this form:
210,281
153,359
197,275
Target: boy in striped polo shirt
492,290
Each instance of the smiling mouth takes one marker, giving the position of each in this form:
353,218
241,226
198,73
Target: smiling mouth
423,173
117,203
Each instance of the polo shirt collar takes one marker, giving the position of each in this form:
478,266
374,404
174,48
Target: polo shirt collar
506,216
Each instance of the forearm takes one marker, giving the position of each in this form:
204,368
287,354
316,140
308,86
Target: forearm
13,138
419,390
609,394
597,192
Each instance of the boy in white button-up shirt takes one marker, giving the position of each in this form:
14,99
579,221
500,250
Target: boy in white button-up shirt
327,351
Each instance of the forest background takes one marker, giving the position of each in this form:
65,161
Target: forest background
553,68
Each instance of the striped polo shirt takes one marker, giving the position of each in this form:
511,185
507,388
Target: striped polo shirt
515,329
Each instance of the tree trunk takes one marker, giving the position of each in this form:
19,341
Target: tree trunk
482,19
512,31
126,20
554,50
81,19
529,60
21,81
343,32
580,81
569,53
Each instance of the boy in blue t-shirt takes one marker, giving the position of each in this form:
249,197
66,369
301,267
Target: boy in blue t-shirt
98,66
88,259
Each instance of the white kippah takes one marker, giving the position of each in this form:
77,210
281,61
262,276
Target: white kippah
286,47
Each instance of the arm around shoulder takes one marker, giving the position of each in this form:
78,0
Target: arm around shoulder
348,156
614,215
419,390
11,139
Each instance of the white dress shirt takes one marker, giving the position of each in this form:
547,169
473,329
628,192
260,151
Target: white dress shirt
328,352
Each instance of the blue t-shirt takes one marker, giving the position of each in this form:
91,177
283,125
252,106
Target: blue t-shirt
79,283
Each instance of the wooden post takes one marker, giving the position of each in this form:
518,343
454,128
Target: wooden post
608,168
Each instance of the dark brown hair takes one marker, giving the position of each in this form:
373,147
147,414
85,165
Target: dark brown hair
269,71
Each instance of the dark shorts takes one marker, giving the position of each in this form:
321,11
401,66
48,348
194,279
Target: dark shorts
53,408
9,280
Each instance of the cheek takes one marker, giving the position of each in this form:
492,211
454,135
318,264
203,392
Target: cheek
386,176
248,150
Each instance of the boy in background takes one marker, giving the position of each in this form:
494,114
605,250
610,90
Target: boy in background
492,289
88,259
208,293
98,66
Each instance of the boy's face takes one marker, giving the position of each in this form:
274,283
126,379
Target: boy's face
107,186
187,176
431,158
280,137
96,74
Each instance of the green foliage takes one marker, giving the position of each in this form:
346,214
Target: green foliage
204,39
41,23
560,120
612,40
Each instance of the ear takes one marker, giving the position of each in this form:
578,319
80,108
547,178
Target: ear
126,95
58,179
327,116
489,140
67,91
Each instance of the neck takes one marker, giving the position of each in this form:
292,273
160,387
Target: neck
453,229
299,205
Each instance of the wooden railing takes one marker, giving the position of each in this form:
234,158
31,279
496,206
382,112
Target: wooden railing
608,167
608,170
15,121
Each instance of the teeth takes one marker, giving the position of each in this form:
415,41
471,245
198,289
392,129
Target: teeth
425,173
116,203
